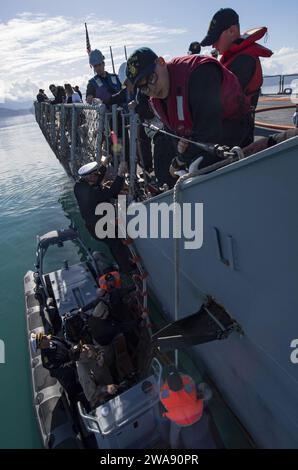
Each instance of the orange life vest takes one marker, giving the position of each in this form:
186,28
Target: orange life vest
248,46
103,283
183,407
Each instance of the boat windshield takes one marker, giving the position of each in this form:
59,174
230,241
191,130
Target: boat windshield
56,255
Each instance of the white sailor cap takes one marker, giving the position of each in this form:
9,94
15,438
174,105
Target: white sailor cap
88,168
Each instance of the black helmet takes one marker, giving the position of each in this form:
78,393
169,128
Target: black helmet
173,378
75,328
194,48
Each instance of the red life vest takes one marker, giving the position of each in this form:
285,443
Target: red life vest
249,47
183,407
103,283
178,117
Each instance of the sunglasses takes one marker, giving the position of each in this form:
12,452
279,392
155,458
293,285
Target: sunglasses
151,80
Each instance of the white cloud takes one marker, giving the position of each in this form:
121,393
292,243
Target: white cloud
36,50
283,61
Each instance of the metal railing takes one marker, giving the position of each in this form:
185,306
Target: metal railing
81,133
279,84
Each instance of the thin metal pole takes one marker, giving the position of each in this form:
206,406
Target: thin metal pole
73,134
101,119
125,53
52,117
62,130
112,59
115,147
122,156
114,119
43,112
88,45
133,151
176,264
107,131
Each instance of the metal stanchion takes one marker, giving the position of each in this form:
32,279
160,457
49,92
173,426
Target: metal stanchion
73,134
133,120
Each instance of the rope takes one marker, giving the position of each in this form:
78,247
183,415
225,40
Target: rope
176,254
142,276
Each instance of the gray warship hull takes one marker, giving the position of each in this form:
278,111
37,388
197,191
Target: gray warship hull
249,263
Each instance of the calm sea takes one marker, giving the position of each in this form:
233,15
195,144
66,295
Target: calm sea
35,197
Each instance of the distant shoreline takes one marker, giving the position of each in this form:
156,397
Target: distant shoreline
5,112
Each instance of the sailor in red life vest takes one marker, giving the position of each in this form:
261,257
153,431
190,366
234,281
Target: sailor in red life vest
194,96
239,53
189,423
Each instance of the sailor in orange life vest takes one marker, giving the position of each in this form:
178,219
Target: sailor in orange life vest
113,293
194,96
240,53
110,281
189,423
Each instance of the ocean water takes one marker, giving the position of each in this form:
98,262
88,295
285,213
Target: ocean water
35,197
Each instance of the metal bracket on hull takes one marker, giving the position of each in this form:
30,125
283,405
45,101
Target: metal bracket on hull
231,260
210,323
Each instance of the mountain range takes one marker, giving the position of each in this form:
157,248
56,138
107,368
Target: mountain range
5,112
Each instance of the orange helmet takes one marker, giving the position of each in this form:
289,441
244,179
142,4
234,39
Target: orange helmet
110,281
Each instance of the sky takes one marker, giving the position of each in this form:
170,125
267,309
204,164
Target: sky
43,42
